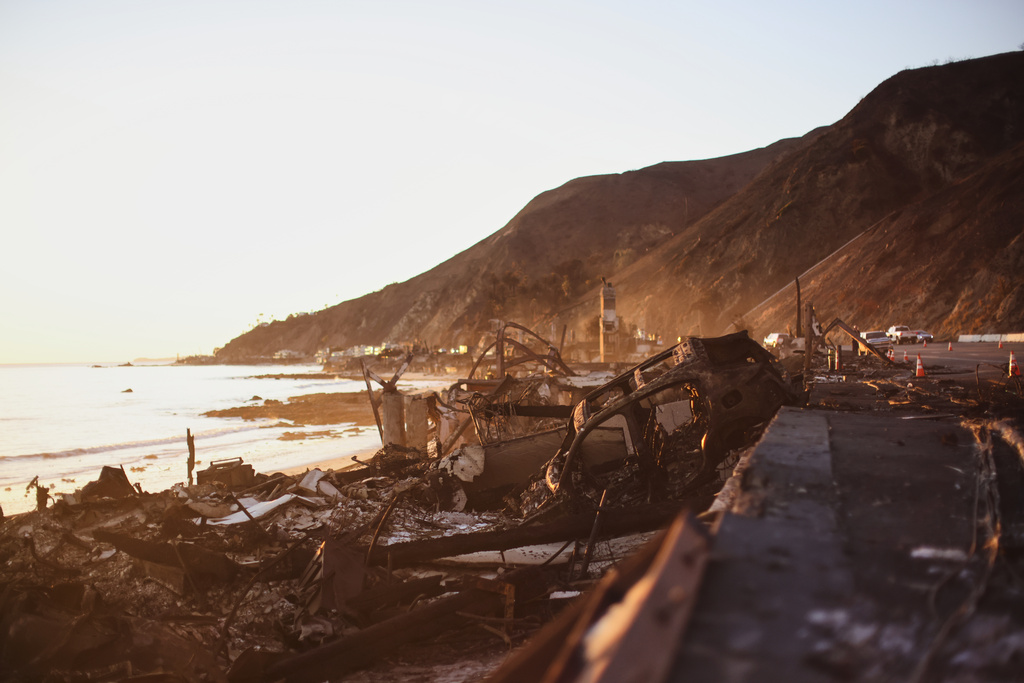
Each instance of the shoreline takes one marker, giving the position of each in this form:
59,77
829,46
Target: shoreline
338,464
321,429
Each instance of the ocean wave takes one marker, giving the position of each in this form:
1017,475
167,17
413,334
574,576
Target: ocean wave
142,443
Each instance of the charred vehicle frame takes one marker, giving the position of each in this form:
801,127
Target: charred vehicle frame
681,410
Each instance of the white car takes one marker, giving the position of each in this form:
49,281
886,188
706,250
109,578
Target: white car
784,344
776,340
877,340
901,334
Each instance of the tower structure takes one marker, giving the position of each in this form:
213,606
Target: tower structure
609,320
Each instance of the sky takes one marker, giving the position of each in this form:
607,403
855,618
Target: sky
173,173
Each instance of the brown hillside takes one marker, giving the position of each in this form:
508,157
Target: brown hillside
952,262
552,251
696,247
918,133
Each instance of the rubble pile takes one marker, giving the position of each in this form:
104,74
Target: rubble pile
190,580
208,583
249,576
515,494
874,534
864,385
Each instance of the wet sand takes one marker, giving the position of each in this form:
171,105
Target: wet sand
324,409
309,409
337,464
321,408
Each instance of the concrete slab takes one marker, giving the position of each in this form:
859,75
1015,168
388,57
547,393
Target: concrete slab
750,622
844,554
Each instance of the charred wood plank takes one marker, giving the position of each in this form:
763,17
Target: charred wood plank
363,647
546,651
395,593
666,601
204,565
663,581
614,522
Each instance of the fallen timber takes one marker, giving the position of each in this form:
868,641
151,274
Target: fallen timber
353,652
616,522
675,562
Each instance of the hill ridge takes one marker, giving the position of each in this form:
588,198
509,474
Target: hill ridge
695,246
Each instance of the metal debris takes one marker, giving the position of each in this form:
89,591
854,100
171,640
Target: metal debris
291,577
673,418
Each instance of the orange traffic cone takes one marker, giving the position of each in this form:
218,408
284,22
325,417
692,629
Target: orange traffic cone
950,346
891,355
1014,370
920,367
905,357
1000,343
926,343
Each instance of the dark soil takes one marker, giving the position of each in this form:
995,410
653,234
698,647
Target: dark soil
311,409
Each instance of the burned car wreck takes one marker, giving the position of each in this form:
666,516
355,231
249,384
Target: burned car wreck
663,427
679,413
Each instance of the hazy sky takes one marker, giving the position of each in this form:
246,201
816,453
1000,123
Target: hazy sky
169,171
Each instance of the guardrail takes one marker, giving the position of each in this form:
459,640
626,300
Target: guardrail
1015,337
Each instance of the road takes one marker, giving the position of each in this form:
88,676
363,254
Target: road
964,357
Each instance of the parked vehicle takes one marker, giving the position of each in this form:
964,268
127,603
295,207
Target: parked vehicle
783,342
901,334
923,336
776,340
877,339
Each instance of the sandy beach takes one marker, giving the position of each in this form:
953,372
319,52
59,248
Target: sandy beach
274,422
333,408
340,463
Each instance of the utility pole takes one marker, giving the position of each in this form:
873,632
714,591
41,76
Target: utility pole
799,327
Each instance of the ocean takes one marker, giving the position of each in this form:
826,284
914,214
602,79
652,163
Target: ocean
63,423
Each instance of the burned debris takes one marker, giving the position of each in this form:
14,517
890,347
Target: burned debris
654,432
676,415
248,576
518,386
526,489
